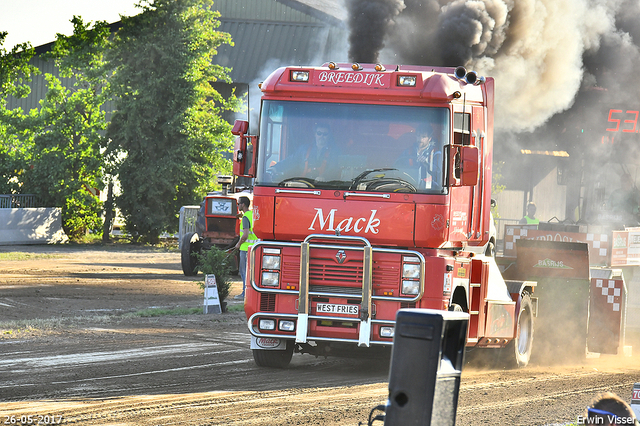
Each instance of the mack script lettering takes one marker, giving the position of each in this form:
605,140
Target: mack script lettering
362,224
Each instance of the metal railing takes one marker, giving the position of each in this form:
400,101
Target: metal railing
17,201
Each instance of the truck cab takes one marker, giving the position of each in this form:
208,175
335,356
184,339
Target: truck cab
372,183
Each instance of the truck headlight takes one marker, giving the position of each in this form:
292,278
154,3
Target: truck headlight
267,324
410,287
410,270
270,262
286,325
386,331
270,279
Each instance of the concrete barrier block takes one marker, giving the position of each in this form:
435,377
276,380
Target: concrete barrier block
31,226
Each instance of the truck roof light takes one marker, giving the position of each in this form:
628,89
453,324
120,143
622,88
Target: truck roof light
407,80
380,67
456,95
356,67
300,76
333,66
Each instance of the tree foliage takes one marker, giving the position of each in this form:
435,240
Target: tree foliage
15,69
165,141
167,118
67,165
15,75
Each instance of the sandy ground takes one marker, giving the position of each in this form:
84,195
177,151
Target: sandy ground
73,352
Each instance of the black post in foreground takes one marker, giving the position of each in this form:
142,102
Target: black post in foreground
426,365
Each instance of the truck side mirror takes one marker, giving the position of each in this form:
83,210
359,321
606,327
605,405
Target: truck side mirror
243,158
240,128
465,164
245,146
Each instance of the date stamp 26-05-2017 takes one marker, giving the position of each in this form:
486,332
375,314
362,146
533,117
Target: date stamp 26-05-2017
31,419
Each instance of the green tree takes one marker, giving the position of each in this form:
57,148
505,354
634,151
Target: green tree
167,117
15,69
67,163
15,138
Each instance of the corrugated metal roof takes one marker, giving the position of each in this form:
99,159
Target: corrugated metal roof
332,11
270,33
270,44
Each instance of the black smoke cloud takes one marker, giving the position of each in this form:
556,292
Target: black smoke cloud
541,52
560,66
370,21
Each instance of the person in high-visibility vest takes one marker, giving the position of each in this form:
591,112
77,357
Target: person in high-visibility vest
530,218
247,239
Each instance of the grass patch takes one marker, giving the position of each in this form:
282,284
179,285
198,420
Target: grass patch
16,255
160,312
235,308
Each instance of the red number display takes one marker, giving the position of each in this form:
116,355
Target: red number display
614,120
629,121
634,122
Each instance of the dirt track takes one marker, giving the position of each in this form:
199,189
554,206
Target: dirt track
84,359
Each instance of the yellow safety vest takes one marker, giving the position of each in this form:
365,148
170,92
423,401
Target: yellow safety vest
251,238
532,221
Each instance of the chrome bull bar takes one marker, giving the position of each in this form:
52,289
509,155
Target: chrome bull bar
304,293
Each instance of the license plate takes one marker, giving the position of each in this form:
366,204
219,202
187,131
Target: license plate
330,308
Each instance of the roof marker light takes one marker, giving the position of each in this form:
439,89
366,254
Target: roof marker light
380,67
356,67
333,66
407,80
300,76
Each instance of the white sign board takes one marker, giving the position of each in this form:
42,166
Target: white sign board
211,298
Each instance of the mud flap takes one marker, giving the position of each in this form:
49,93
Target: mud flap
562,272
268,343
607,311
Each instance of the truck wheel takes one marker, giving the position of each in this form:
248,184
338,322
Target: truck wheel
454,307
490,250
188,254
519,349
274,359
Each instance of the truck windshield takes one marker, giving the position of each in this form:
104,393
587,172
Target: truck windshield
385,148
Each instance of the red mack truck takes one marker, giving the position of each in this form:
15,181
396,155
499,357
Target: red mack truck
372,193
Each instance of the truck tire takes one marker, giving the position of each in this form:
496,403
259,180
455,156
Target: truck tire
490,250
454,307
188,254
274,359
518,351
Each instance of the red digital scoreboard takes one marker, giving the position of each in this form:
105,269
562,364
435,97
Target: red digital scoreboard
625,121
620,121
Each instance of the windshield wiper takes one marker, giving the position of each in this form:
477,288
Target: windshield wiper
361,176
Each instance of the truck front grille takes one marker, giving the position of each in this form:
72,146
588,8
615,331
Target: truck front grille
267,302
321,271
336,289
326,275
